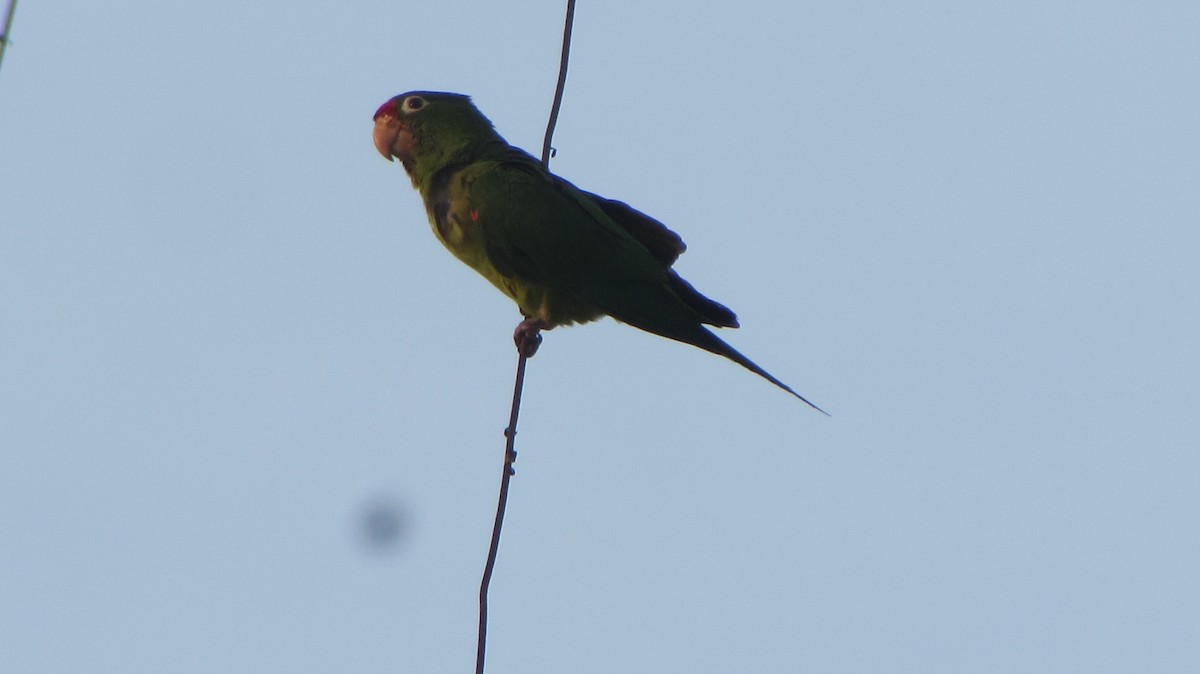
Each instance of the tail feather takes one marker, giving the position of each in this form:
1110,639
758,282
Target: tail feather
714,344
675,315
698,335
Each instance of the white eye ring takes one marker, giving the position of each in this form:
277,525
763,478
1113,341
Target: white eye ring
412,104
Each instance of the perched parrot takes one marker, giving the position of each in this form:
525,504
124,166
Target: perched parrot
564,255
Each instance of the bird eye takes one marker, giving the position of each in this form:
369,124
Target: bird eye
413,103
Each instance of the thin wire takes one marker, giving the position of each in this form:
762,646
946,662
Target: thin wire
510,433
562,81
510,455
12,9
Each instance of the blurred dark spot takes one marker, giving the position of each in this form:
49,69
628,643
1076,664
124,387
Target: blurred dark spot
383,525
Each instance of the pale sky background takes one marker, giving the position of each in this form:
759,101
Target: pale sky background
969,231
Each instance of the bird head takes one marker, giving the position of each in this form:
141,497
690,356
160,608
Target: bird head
427,130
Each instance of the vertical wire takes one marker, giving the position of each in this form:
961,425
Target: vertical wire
510,433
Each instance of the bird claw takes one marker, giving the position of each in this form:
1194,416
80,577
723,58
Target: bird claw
528,336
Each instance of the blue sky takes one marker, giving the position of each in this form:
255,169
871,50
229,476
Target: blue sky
969,232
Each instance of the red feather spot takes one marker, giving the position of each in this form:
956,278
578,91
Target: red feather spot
388,108
474,216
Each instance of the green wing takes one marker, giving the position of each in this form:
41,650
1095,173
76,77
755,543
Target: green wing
538,229
666,246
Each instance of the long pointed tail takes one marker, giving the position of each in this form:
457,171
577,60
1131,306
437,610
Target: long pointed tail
718,346
701,337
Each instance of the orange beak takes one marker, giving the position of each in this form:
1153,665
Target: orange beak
387,132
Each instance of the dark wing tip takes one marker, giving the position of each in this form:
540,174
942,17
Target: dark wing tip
710,311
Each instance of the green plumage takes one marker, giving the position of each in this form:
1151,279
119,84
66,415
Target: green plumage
564,255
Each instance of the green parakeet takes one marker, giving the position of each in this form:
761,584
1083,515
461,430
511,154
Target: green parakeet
564,255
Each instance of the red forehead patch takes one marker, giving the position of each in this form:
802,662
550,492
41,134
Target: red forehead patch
388,108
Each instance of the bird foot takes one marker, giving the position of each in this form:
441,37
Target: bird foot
528,336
